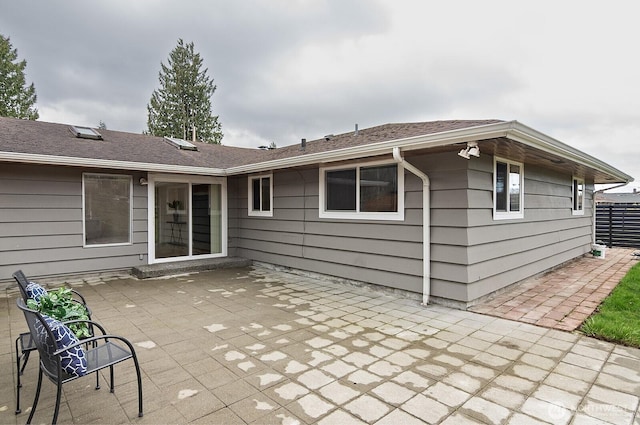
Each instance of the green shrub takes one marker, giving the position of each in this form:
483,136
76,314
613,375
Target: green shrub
59,304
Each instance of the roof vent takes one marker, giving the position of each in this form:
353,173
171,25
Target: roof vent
328,137
180,143
85,132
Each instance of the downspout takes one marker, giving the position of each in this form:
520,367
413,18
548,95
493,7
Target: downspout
593,214
426,225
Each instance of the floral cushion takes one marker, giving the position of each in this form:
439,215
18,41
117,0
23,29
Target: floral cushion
73,360
35,291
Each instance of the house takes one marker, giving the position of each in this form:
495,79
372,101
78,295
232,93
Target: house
449,210
603,198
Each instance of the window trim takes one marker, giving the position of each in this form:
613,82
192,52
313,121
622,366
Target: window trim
84,223
577,180
507,215
357,214
259,213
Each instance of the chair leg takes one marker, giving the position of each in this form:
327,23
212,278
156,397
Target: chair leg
135,362
24,362
111,379
24,355
36,397
57,408
18,383
94,344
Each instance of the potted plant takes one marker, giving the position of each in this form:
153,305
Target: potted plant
59,304
175,205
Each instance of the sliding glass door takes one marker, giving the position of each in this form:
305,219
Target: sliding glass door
189,218
206,219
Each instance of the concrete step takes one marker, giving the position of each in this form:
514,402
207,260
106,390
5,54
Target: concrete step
177,267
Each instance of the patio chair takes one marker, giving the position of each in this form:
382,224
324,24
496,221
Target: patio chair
24,343
23,284
63,357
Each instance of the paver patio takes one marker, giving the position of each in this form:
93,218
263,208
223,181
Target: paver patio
256,345
564,297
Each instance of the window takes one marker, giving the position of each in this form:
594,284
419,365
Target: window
180,143
508,193
261,195
85,132
368,191
107,209
577,196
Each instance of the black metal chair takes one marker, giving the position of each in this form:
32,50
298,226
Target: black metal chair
105,351
23,283
24,343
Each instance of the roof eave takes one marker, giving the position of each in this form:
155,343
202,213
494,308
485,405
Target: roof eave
513,130
528,136
380,148
105,163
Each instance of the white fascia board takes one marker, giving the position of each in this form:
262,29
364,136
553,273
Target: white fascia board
510,129
531,137
381,148
104,163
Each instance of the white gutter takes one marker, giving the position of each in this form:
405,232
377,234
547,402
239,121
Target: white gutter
443,138
29,158
521,133
511,129
426,224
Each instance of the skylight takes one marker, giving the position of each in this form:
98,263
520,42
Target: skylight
85,132
181,144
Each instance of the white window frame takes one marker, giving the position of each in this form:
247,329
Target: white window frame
507,215
357,214
577,181
84,224
259,213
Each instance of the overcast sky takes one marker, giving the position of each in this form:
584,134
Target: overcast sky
292,69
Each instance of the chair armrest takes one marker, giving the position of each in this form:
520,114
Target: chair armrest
91,324
79,295
97,338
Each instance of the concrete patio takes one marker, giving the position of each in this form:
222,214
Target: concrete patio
256,345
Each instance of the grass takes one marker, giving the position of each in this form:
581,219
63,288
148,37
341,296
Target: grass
617,319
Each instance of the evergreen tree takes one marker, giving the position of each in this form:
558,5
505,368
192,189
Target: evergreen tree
183,101
16,98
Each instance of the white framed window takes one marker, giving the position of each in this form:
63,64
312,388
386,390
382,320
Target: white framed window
508,189
107,209
260,192
370,191
577,196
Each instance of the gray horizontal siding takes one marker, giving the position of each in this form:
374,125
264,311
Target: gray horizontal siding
387,253
472,254
472,250
41,224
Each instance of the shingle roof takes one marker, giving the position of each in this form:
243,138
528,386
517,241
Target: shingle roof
618,198
380,133
43,138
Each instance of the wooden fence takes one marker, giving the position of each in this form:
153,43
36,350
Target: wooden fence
618,225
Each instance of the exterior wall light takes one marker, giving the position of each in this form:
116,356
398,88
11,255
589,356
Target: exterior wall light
472,149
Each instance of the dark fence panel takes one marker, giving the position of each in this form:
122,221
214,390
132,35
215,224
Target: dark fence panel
618,225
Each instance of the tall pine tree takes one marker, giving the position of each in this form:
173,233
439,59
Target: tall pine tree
183,101
16,98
